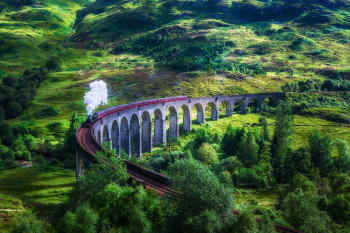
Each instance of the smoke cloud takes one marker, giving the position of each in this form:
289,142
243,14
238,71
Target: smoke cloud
98,94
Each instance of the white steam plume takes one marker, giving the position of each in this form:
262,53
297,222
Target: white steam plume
97,95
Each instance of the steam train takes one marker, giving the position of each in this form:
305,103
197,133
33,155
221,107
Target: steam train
100,115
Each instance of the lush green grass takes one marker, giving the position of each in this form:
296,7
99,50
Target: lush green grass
35,187
248,197
24,188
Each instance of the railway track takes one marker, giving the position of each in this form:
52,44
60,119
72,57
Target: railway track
149,179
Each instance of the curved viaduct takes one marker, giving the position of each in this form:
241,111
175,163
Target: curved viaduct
129,127
137,127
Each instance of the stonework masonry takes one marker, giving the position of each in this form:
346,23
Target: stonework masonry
137,130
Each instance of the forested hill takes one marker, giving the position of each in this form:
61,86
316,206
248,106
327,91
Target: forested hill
158,48
240,37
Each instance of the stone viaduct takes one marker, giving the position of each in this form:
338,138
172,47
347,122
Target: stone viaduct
139,128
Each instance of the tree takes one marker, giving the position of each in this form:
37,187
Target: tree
281,139
207,154
10,81
121,207
108,169
53,64
130,209
339,208
246,223
248,149
13,109
27,222
301,211
83,219
266,134
321,151
70,140
298,161
342,161
204,200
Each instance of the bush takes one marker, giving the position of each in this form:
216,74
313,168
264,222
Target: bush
47,112
339,208
301,211
53,64
248,177
83,219
207,154
27,222
13,109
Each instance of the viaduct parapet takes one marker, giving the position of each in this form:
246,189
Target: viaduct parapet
136,128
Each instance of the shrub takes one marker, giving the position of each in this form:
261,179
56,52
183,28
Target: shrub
10,81
83,219
27,222
53,64
301,211
339,208
248,177
262,48
207,154
47,112
13,109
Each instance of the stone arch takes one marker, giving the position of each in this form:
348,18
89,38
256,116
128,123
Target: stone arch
253,105
146,132
173,123
186,118
99,137
124,135
212,111
268,102
106,138
239,106
115,136
135,135
200,117
225,108
158,128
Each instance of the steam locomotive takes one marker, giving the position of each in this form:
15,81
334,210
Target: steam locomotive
100,115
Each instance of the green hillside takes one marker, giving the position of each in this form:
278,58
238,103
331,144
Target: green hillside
51,50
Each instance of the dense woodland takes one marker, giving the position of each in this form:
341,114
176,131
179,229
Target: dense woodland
287,165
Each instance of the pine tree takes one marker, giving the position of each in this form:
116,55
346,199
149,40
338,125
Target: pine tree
70,140
321,151
266,133
281,139
249,149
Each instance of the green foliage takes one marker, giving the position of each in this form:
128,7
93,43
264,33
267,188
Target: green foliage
300,209
47,112
128,209
342,161
247,69
17,93
266,134
321,152
27,222
251,177
298,161
115,206
339,208
109,169
207,154
246,223
248,149
280,146
199,209
83,219
70,138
